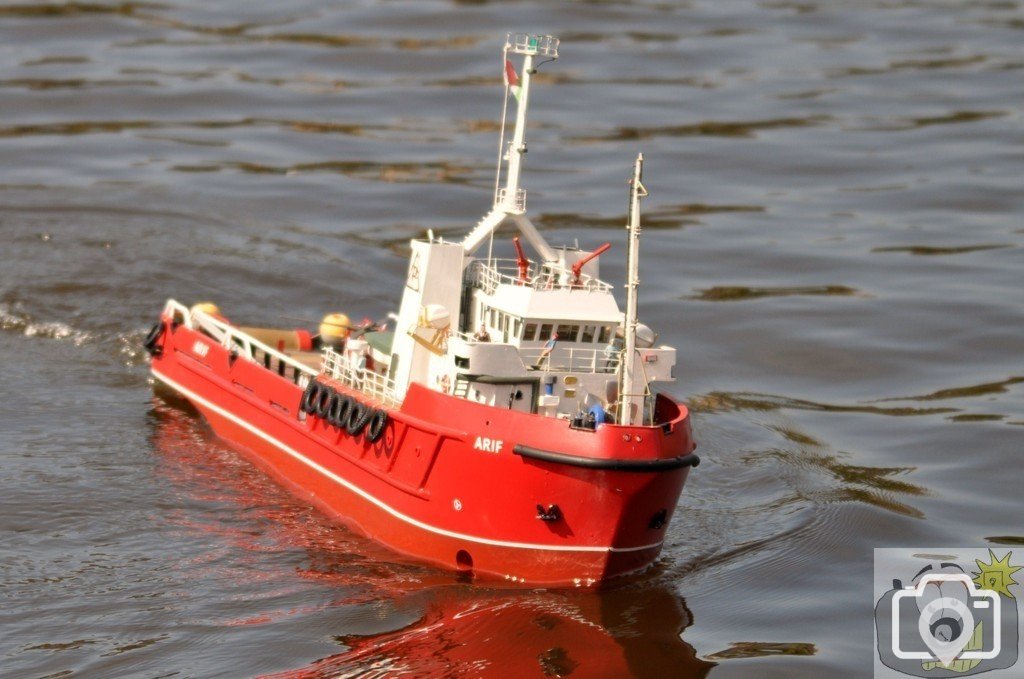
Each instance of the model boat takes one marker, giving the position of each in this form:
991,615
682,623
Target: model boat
507,427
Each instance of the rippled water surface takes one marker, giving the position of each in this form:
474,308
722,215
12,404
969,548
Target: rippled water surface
834,243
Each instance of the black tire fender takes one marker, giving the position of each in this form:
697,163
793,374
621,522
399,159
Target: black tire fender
323,403
358,416
375,429
154,335
339,411
332,403
310,397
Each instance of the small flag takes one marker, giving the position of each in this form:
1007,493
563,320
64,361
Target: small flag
512,80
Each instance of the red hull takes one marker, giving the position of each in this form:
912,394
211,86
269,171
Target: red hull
428,490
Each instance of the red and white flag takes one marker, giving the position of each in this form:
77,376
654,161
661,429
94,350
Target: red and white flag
512,80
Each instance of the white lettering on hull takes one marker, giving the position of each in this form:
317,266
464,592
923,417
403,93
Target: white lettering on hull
488,445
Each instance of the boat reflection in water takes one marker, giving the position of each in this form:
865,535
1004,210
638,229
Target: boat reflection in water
411,618
628,632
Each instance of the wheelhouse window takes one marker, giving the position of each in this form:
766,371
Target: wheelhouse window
531,330
605,335
568,333
588,334
545,331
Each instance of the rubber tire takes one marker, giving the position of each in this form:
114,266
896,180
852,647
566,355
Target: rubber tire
339,411
332,403
358,416
309,397
155,333
375,429
323,404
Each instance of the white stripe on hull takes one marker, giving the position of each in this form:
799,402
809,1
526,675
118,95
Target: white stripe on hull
370,498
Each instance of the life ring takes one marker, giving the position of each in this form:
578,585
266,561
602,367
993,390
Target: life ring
358,416
155,333
339,411
375,429
323,404
310,397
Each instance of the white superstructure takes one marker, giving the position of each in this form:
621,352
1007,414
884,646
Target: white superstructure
539,335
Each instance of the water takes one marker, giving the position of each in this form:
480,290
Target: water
833,242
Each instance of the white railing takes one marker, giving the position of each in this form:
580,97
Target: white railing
571,360
524,43
515,203
231,337
371,383
489,276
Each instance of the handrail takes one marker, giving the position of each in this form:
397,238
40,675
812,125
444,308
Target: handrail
514,202
524,43
571,359
368,382
231,337
489,276
173,306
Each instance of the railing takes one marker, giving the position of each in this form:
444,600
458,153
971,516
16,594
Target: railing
516,203
524,43
371,383
242,344
571,359
489,276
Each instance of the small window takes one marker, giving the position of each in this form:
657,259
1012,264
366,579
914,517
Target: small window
588,334
517,325
545,332
605,335
494,318
531,330
563,332
574,333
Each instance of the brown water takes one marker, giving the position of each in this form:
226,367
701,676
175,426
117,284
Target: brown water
833,242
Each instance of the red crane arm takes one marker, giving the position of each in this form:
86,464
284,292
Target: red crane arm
578,266
524,263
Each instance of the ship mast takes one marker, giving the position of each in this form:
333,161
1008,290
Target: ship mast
510,199
631,401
